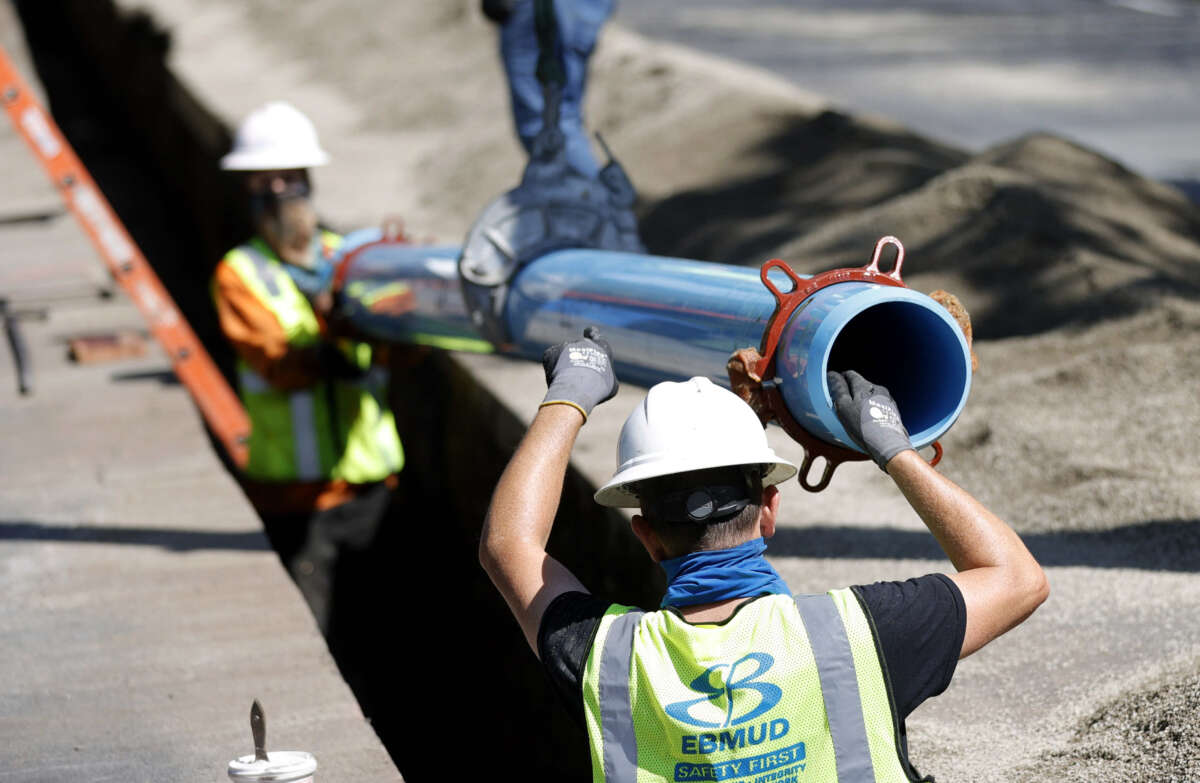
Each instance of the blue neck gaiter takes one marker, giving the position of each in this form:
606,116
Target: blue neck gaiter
707,577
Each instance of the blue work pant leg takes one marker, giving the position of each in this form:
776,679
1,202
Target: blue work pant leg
579,23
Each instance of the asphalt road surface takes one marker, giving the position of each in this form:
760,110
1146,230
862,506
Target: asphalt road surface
1122,76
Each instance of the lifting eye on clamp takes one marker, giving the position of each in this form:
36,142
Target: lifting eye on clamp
753,373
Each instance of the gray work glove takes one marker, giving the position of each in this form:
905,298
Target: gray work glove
869,415
580,373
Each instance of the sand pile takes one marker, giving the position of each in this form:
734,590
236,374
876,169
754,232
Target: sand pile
1149,735
1033,234
1082,277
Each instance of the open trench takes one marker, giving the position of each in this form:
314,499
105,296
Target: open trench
427,647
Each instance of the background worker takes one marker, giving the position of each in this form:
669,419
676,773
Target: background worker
577,24
324,452
732,678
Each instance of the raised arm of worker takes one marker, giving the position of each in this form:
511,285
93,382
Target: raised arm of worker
1000,581
512,548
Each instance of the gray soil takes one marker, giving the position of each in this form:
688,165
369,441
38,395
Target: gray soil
1083,279
1151,734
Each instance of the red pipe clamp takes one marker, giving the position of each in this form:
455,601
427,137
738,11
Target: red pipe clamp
752,374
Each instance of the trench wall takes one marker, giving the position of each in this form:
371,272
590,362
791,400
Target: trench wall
434,657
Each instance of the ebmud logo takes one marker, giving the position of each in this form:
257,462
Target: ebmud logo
733,689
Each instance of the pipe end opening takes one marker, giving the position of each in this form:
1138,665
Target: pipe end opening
918,355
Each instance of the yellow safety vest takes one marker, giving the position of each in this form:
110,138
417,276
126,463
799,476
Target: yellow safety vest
337,429
788,689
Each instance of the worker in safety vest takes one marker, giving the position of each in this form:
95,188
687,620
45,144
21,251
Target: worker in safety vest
324,452
734,678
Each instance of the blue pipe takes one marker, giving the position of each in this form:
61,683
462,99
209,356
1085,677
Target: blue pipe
896,337
438,314
666,318
671,319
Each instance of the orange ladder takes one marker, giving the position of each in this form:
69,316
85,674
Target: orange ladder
221,408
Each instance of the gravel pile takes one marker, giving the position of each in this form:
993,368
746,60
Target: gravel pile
1150,735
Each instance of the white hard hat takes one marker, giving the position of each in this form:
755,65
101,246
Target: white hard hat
681,427
276,136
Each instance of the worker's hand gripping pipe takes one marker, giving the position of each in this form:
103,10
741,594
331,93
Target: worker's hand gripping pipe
671,319
862,320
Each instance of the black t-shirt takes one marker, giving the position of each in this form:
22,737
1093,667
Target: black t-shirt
919,625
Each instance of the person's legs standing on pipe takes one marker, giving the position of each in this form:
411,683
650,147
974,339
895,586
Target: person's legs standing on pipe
579,23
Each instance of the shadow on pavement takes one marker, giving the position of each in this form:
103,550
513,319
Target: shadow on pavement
1152,546
173,540
162,377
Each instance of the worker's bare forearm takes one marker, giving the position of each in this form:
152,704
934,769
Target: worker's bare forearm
512,548
1000,580
526,498
970,534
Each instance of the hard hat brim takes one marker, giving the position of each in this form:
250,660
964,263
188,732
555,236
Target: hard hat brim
616,493
258,161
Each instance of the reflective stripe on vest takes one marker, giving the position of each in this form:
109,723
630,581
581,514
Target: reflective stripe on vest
304,436
841,719
269,280
251,382
306,453
839,687
262,265
616,717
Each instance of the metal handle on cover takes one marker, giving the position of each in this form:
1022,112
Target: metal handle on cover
873,267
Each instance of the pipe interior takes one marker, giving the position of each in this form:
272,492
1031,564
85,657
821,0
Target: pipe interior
914,353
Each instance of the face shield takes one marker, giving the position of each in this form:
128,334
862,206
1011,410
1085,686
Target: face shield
282,211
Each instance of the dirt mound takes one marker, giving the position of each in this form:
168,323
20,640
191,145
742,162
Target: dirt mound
1033,235
1147,735
1088,428
815,169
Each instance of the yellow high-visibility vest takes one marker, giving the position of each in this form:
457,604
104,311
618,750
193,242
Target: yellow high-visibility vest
787,689
337,429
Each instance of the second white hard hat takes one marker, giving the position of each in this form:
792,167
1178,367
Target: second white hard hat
276,136
681,427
